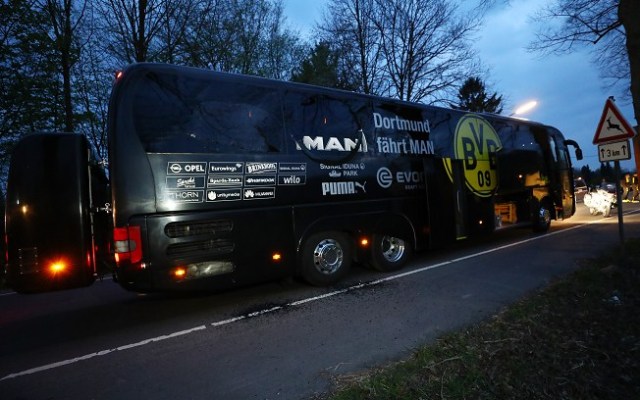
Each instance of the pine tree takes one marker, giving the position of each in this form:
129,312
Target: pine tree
473,97
322,68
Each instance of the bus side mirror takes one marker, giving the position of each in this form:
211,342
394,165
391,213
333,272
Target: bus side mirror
573,143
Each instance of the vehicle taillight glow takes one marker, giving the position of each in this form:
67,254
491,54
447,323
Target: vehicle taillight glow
127,244
57,267
180,272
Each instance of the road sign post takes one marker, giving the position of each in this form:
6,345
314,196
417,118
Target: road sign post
612,137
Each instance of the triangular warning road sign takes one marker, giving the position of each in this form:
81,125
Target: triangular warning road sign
612,125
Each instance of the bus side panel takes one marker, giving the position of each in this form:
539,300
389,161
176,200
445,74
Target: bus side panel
47,216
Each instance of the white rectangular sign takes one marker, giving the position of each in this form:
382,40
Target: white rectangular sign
614,151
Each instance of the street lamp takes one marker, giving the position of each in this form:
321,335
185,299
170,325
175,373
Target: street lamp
526,107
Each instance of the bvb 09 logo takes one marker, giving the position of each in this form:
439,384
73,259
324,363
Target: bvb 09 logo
476,144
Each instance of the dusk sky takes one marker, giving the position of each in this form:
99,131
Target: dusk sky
568,88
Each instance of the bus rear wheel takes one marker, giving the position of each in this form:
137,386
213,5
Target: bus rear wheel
389,253
326,258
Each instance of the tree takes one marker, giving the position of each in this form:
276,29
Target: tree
63,23
348,27
426,47
25,71
610,26
322,68
134,27
30,89
243,36
473,97
586,174
413,50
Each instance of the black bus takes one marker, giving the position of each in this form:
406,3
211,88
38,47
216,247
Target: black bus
221,179
57,233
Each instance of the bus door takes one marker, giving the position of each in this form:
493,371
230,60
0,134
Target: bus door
447,200
459,199
563,176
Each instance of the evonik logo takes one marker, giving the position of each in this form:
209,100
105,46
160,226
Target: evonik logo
386,178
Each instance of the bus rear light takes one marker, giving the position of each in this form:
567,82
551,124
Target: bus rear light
127,244
58,267
276,257
180,272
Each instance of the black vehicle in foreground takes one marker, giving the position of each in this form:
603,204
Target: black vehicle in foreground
56,237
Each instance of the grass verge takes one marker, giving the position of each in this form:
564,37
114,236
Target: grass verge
579,338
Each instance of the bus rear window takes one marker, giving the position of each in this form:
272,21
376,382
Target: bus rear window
173,114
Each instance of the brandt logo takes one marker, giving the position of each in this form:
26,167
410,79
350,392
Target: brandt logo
262,168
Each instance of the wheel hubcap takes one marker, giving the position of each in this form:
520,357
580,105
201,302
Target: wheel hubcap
328,256
393,248
545,216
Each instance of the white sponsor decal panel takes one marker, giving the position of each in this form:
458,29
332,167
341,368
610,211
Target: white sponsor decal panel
229,181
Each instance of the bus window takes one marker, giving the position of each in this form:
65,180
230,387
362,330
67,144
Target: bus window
401,130
562,153
195,116
326,123
318,115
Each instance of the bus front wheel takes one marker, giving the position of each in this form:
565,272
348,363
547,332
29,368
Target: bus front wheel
389,253
326,258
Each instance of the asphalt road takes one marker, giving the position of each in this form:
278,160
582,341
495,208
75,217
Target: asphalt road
283,340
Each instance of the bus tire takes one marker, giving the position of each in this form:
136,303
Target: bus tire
542,217
389,253
326,258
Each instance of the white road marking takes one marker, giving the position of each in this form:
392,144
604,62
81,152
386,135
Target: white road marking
292,304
